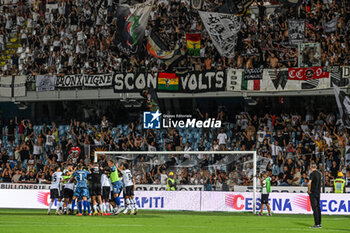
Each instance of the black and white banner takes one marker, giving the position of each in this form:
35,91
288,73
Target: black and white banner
86,80
336,74
346,72
273,80
98,80
13,86
343,102
223,29
253,74
296,31
45,82
330,26
191,82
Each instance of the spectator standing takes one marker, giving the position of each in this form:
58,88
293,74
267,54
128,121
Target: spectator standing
222,139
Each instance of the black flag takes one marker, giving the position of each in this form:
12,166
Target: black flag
343,102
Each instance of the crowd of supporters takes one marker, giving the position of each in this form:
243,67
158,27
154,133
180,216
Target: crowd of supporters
286,145
71,37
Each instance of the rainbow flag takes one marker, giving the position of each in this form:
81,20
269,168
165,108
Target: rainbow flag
193,43
168,81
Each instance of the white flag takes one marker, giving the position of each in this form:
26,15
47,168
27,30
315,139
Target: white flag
223,29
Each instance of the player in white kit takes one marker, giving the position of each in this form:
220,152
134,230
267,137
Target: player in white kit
55,191
106,190
129,186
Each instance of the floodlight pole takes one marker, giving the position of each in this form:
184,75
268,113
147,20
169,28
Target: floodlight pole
323,174
254,182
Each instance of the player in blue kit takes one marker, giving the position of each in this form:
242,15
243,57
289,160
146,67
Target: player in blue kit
81,190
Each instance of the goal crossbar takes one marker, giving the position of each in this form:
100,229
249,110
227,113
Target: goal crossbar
96,153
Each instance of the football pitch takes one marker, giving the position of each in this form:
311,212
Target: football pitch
36,221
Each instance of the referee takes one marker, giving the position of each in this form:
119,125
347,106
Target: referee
314,190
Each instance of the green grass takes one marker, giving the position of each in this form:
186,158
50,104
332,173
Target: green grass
36,221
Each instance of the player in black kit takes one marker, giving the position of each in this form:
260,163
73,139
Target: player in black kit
96,190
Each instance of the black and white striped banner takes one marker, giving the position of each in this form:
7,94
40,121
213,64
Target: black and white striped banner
13,86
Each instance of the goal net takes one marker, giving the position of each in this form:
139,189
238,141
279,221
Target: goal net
193,170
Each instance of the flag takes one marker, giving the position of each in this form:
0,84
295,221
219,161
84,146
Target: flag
304,74
249,84
196,4
131,25
343,103
152,100
172,62
193,43
157,48
330,26
168,81
222,29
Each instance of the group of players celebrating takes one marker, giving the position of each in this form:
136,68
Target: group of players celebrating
74,186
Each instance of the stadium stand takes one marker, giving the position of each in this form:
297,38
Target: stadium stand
69,37
289,142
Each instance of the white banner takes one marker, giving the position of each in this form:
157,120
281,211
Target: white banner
45,82
6,86
151,187
277,189
19,86
139,187
24,186
13,86
281,203
223,29
39,199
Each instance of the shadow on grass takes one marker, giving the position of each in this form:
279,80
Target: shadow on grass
303,224
324,227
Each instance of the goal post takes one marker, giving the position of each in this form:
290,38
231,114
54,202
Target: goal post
241,161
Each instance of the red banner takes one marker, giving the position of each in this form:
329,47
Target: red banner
308,73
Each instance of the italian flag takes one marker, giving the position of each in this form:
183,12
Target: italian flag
251,85
193,43
168,81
